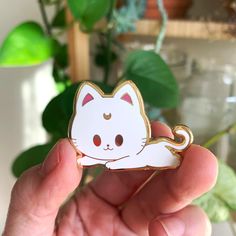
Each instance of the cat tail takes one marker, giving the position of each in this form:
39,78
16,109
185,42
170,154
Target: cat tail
182,132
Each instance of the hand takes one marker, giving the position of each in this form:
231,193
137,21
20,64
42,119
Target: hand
116,203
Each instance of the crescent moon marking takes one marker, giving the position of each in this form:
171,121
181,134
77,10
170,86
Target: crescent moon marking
107,117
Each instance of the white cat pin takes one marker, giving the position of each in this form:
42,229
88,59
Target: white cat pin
113,130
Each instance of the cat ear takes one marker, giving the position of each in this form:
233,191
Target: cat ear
128,92
87,93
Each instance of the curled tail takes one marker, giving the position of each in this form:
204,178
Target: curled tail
182,132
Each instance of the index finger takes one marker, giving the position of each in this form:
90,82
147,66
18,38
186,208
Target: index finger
172,190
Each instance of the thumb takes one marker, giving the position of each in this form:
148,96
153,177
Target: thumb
40,191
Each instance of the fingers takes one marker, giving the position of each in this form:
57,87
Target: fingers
39,192
172,190
190,221
118,187
161,130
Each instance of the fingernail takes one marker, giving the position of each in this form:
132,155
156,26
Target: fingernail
51,161
173,226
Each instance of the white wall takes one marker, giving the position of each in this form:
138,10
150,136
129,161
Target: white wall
13,12
24,92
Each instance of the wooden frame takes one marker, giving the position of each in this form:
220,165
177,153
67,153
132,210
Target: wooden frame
188,29
78,49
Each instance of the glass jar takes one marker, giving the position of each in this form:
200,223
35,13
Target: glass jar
179,63
181,66
209,101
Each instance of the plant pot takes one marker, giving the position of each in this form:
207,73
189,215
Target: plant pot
175,9
230,7
119,3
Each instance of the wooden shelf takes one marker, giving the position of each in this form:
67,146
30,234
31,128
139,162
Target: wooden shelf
79,42
187,29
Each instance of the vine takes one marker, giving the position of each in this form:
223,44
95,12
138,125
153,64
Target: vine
164,20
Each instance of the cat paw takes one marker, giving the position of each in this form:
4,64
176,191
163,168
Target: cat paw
83,162
110,165
86,161
176,162
116,165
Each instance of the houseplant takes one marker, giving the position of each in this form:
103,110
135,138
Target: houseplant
145,68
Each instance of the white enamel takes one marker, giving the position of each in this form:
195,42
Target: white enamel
113,130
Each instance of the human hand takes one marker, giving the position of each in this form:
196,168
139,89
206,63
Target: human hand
116,203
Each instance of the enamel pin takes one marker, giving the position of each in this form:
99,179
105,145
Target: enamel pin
114,131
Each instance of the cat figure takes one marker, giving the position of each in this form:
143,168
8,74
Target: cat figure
113,130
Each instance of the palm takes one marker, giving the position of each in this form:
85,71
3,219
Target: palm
89,213
116,203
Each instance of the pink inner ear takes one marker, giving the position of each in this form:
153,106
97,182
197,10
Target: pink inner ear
87,99
126,97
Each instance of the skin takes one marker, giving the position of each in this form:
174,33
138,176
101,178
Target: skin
116,203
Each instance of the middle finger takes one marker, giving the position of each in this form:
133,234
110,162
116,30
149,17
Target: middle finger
172,190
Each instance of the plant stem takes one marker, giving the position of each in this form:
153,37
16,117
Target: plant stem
44,17
109,42
57,6
219,135
164,19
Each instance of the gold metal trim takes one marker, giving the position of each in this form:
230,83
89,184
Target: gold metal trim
149,140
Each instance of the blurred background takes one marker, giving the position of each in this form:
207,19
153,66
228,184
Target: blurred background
24,94
199,52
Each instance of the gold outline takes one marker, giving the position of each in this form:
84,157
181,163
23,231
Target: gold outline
149,140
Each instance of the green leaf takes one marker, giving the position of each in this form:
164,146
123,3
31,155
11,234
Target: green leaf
59,75
57,114
30,157
153,77
88,12
59,21
222,198
61,57
225,186
215,208
100,58
26,45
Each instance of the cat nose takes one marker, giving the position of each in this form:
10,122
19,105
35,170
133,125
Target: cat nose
108,145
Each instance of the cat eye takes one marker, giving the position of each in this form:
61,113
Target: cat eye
119,140
97,140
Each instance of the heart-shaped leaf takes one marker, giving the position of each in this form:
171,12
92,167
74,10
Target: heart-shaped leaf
25,45
153,77
88,12
215,208
222,198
